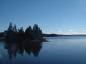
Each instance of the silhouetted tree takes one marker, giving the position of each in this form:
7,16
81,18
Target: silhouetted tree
14,28
20,34
37,32
28,33
9,32
10,28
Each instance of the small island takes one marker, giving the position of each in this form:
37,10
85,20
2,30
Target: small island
14,34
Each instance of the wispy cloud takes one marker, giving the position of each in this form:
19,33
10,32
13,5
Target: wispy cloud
70,32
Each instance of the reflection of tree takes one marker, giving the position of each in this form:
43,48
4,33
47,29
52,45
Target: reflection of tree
33,47
12,49
27,46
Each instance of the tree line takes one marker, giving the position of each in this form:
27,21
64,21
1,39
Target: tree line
14,34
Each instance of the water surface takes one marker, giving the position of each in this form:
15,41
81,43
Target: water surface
58,50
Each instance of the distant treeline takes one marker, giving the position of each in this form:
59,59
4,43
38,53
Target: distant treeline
50,35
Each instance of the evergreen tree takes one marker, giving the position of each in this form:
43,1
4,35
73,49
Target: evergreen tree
14,28
10,28
21,34
9,33
37,33
28,33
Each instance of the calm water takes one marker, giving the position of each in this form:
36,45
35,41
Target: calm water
59,50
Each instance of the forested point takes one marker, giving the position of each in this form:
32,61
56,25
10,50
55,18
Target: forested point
14,34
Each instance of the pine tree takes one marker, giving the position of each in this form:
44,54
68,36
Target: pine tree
20,34
10,28
28,33
14,28
37,33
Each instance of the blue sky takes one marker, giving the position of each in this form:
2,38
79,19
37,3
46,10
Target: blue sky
53,16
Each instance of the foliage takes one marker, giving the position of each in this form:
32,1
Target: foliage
31,33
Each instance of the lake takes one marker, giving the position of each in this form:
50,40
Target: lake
58,50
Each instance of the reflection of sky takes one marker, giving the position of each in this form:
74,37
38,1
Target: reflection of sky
59,50
53,16
2,51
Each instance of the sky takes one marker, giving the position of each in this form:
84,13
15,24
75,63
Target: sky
53,16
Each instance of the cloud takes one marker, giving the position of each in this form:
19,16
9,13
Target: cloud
70,32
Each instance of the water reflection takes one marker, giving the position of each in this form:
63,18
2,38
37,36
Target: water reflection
30,47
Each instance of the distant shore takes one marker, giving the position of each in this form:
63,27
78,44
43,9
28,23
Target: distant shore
56,35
